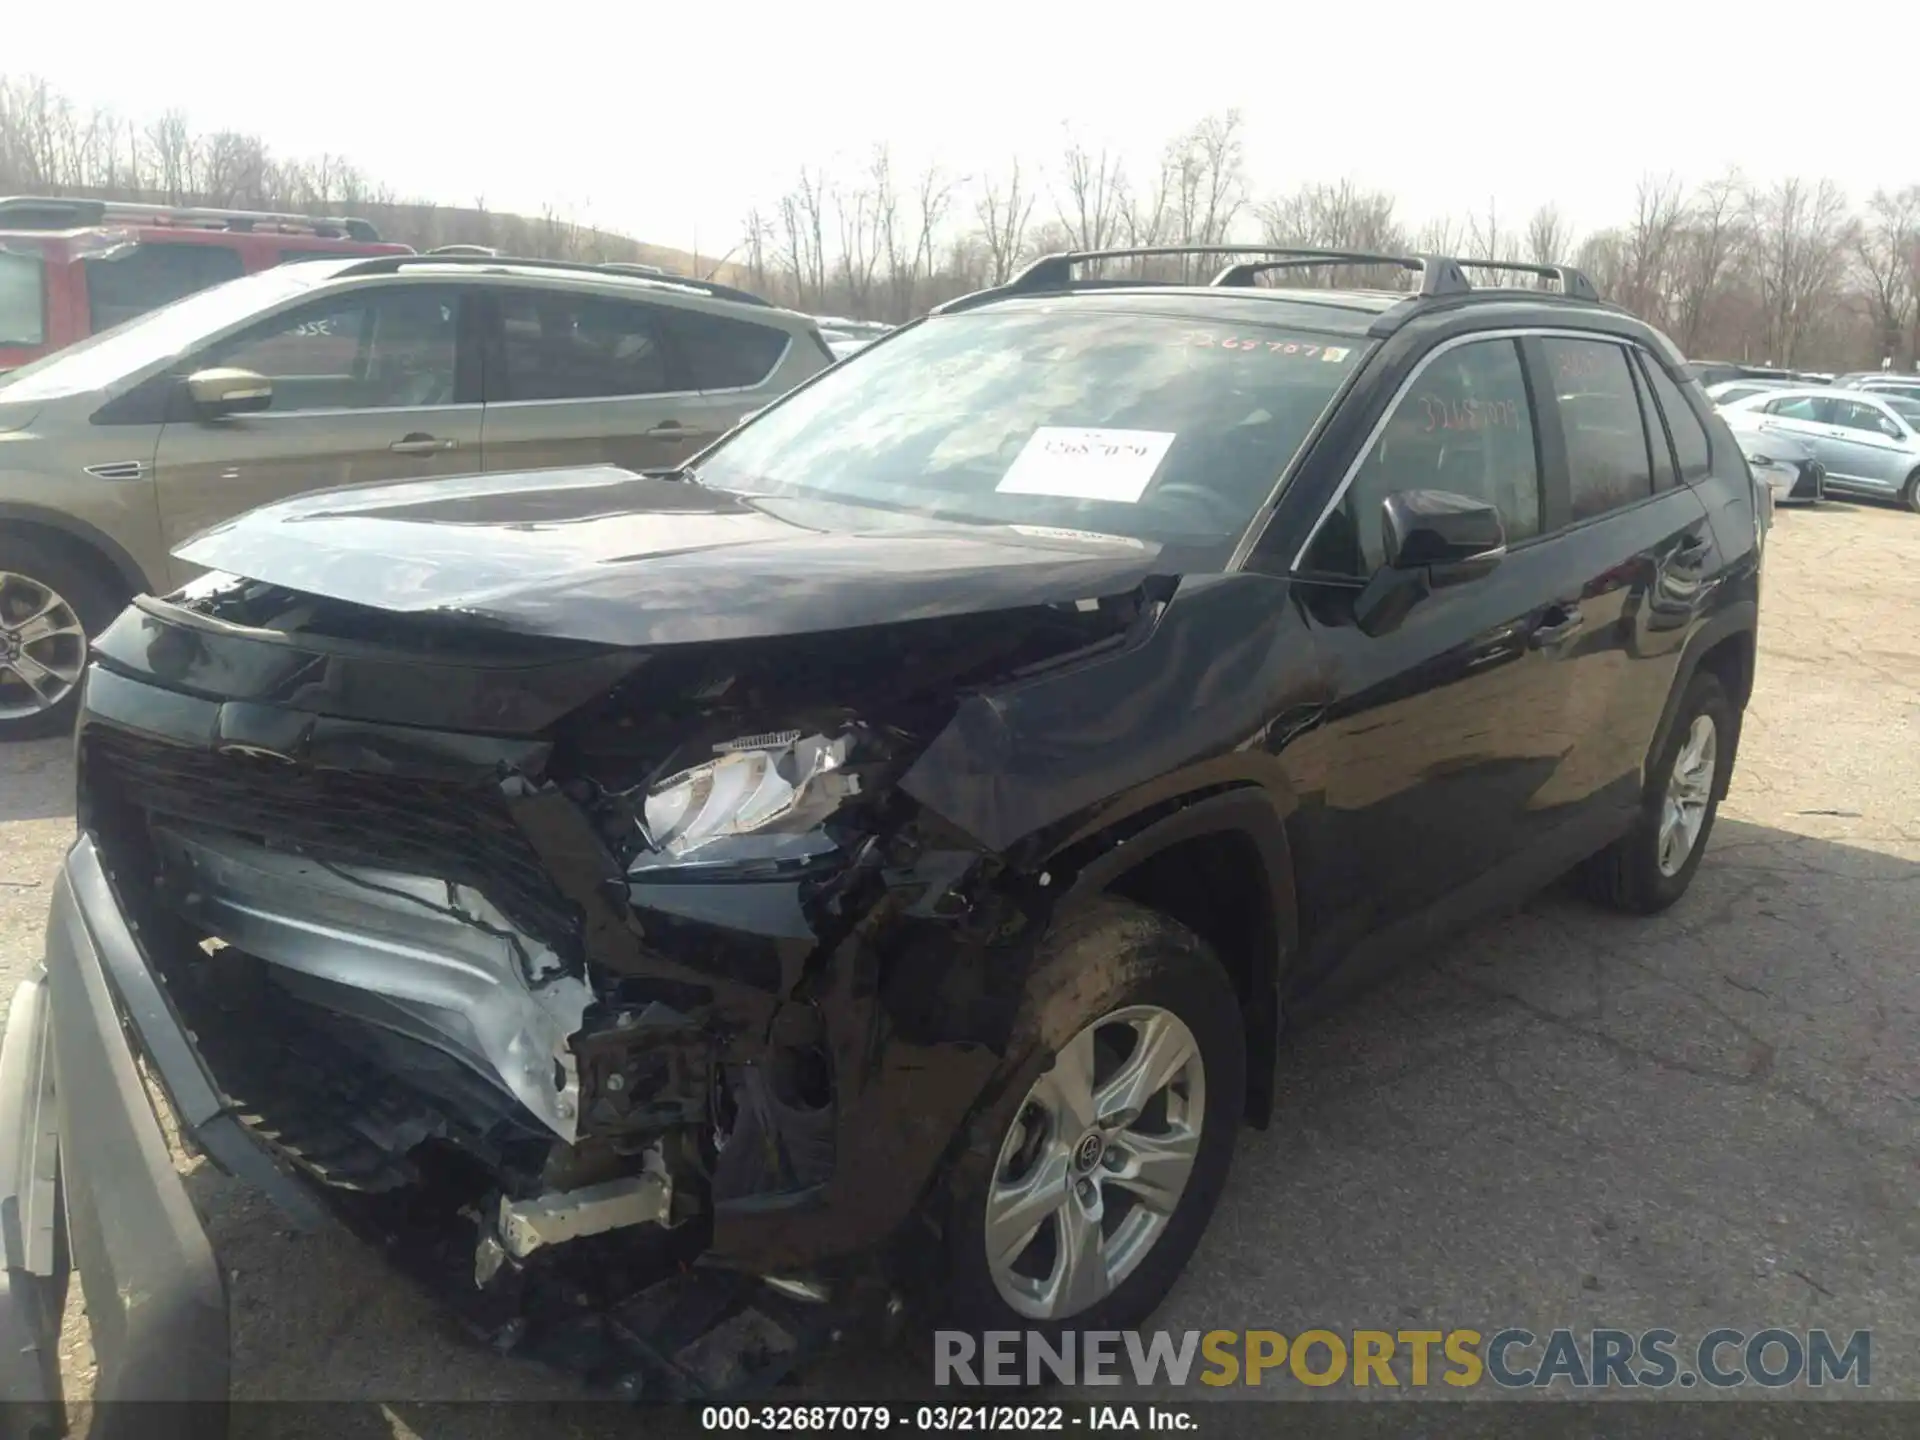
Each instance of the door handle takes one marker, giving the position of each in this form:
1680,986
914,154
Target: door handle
421,445
1560,622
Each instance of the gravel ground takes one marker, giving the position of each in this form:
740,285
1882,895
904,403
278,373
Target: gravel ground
1564,1118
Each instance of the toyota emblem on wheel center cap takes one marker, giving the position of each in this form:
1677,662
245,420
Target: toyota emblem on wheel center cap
1087,1153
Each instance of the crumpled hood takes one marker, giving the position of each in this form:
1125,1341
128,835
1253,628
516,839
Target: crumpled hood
1776,444
604,555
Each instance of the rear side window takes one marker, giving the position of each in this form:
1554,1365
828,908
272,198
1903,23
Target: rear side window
23,299
1802,407
1608,461
1465,425
147,276
721,353
1689,435
561,346
1664,477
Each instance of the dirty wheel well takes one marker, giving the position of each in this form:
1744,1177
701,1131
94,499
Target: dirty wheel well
1215,885
70,548
1730,661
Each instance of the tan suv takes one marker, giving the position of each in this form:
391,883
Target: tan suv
327,373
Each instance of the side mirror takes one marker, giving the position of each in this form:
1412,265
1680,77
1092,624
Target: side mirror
223,391
1437,527
1431,538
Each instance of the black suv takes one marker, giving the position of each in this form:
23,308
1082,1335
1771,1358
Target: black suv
878,860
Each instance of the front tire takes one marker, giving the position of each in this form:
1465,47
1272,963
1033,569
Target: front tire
51,604
1651,866
1910,497
1090,1175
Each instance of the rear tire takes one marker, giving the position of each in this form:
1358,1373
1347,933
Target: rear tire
52,604
1110,971
1647,869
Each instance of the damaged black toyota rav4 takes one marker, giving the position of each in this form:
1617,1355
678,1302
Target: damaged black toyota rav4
680,914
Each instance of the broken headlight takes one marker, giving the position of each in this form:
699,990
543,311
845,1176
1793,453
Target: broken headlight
761,798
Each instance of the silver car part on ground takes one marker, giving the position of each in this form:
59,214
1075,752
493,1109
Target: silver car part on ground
1083,1139
438,960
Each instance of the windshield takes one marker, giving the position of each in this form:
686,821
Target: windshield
158,335
1152,427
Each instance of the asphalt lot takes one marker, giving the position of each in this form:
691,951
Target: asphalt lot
1566,1118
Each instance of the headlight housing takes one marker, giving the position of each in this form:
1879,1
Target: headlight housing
761,798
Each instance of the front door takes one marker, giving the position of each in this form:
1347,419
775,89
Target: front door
1442,730
575,378
368,385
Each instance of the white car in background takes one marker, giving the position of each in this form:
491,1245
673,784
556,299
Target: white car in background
1728,391
1868,441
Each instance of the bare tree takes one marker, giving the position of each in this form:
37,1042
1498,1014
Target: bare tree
1003,214
1095,190
1709,242
1649,246
1799,233
1549,236
1885,248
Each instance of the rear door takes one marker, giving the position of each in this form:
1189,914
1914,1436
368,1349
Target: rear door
579,377
1869,448
1634,556
377,382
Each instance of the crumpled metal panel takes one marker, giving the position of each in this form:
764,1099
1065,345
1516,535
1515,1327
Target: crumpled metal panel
454,968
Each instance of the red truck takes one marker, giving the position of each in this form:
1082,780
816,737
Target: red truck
70,268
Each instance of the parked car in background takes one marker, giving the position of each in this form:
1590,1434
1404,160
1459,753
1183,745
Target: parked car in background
1868,442
72,268
340,372
876,860
1905,387
1718,372
1727,391
845,337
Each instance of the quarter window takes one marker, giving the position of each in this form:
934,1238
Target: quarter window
1608,460
1465,425
23,299
1689,435
1657,441
131,281
385,348
722,353
561,346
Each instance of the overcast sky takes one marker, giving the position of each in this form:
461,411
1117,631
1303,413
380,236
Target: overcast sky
669,122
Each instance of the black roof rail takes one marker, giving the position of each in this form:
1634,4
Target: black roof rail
56,212
1438,275
1572,282
389,264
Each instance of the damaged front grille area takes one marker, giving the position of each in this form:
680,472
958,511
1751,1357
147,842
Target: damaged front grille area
462,833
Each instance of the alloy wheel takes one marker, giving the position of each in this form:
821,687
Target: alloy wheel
1095,1162
43,647
1683,812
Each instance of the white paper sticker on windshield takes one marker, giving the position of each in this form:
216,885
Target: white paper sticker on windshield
1077,463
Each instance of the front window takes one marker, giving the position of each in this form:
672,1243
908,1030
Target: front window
23,299
1152,427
